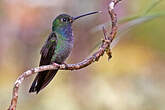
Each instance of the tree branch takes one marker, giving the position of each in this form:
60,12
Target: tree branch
95,57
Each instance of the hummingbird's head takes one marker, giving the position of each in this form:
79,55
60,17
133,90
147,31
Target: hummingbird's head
64,20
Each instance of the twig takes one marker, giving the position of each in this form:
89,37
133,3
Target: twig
95,57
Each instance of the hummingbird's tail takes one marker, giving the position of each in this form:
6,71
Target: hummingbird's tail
42,80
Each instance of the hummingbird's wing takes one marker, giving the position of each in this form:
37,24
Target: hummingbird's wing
48,49
43,78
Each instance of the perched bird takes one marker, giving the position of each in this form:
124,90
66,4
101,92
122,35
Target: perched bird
56,49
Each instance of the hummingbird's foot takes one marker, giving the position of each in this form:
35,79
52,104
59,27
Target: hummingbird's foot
55,64
64,65
61,65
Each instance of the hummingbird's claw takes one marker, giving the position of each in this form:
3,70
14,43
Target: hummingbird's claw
55,64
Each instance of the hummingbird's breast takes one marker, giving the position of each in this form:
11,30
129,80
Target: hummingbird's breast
64,45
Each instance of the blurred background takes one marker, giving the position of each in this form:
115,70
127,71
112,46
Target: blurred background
134,79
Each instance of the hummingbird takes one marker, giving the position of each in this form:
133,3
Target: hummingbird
56,48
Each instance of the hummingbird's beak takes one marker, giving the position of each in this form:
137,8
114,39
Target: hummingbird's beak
77,17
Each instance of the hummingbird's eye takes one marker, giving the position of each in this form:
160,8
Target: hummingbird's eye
64,20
